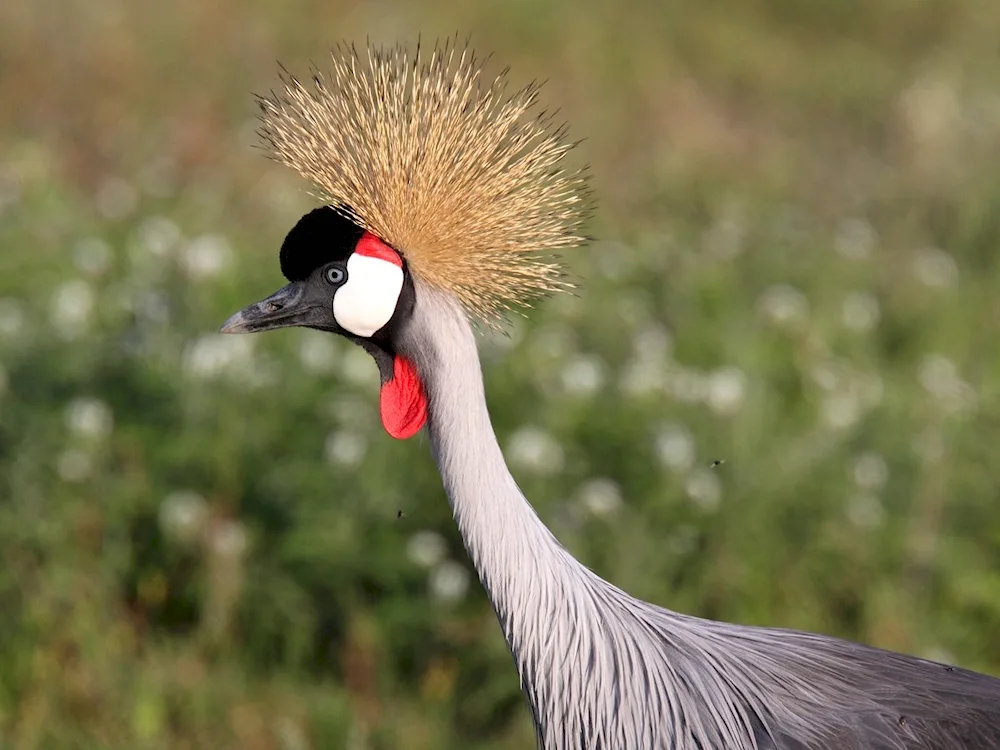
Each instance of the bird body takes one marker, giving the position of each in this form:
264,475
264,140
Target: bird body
600,669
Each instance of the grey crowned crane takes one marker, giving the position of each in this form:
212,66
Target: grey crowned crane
442,197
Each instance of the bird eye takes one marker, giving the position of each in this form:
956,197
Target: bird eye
335,275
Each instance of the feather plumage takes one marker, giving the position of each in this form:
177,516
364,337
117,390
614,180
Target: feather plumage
449,171
602,669
467,182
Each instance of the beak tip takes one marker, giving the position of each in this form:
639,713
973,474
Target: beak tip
282,309
234,324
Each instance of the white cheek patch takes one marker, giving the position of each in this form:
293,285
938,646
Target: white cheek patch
368,298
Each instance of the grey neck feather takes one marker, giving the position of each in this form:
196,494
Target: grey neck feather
561,622
509,545
602,669
520,563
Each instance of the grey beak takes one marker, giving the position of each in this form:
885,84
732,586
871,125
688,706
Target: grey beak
282,309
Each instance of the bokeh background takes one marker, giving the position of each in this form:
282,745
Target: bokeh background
775,400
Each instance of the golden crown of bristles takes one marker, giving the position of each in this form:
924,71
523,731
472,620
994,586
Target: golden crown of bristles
447,169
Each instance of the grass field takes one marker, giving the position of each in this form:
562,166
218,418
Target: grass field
773,401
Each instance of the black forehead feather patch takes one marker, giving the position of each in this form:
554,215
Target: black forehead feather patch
321,236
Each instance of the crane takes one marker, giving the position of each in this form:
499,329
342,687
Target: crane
442,199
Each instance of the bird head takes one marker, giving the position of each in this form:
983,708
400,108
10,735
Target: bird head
431,176
345,280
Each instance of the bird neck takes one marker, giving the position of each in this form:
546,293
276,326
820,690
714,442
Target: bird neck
519,561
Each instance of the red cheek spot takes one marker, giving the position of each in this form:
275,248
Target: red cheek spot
402,402
372,247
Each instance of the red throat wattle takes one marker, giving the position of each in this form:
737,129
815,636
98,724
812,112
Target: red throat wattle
403,403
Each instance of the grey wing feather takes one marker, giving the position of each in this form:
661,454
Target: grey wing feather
603,670
651,679
893,701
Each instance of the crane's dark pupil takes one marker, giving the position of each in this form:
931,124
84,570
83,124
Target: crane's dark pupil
320,237
335,275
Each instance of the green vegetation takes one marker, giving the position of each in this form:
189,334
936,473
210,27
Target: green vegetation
795,274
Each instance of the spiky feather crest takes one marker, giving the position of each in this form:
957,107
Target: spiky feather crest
467,182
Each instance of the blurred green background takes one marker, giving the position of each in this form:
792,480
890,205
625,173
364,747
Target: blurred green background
795,275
